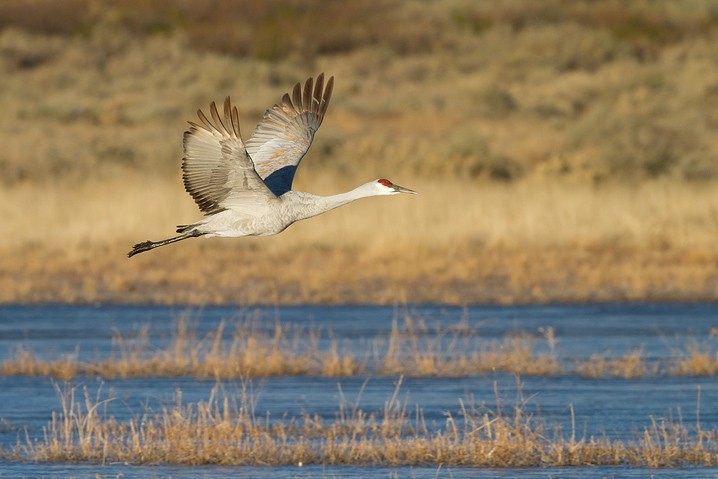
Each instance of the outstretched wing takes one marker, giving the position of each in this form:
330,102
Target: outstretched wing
216,169
283,137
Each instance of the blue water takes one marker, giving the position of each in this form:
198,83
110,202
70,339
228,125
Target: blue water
615,407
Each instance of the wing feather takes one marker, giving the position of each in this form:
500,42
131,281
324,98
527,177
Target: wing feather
216,169
217,120
318,87
324,103
307,96
231,117
285,134
297,97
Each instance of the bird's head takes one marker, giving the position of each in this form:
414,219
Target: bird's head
383,186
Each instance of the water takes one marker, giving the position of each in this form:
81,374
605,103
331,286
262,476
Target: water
615,407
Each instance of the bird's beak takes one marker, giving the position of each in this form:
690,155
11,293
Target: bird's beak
401,189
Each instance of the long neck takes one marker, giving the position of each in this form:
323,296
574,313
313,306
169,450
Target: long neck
309,205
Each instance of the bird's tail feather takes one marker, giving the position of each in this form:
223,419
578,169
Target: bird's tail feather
148,245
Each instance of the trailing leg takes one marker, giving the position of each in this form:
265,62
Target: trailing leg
148,245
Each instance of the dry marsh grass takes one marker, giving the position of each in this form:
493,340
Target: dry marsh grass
249,353
225,430
411,349
700,360
563,152
455,243
629,366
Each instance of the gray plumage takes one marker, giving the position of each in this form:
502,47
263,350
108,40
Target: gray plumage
245,189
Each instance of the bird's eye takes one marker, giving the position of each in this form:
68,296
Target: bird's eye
385,182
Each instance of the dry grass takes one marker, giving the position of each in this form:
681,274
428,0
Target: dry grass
559,155
415,350
700,361
249,353
455,243
482,91
225,430
629,366
412,349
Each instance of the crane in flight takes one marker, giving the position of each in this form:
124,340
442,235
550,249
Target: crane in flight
245,189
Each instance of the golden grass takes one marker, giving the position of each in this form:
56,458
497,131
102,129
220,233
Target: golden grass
411,349
424,92
457,243
559,155
249,354
629,366
700,361
225,430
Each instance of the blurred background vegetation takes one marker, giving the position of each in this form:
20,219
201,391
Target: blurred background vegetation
564,149
585,89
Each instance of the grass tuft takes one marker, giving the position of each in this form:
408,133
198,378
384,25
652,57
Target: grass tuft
699,361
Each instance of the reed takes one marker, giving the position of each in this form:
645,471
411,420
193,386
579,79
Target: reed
700,360
411,349
26,363
225,430
629,366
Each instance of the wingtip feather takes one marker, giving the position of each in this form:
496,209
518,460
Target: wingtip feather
307,94
205,121
235,122
317,95
324,103
218,125
230,126
297,97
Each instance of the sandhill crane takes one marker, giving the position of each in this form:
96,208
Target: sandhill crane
245,189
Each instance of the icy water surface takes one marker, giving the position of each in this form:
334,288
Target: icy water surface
615,407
